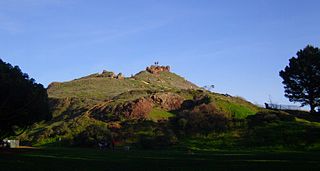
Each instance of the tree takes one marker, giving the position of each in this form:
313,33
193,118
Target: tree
209,87
22,101
301,78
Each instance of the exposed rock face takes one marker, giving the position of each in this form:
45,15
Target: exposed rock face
197,100
108,74
157,69
138,109
168,101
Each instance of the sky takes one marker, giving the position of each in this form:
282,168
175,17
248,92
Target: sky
238,46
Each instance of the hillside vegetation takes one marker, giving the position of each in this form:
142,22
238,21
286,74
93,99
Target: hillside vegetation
157,109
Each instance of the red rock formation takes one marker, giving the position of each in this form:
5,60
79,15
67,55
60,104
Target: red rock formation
168,101
157,69
138,109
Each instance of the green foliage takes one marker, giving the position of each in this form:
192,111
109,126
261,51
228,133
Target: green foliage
159,138
93,135
22,101
213,142
158,114
301,78
235,107
268,116
182,123
288,134
200,122
282,133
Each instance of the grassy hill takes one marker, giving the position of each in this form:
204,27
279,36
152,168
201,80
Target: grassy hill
149,108
98,87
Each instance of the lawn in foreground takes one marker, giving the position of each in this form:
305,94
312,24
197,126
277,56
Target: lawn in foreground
94,159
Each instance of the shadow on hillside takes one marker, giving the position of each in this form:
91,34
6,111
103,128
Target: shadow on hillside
312,117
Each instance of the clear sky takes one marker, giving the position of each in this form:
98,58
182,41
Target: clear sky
239,46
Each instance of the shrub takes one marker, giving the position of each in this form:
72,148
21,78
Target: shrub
93,135
268,117
202,119
157,141
61,129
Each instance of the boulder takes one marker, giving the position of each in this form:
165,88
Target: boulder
108,74
120,76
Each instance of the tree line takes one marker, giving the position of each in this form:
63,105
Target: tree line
22,100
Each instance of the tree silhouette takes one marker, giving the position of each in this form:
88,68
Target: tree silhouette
301,78
22,101
209,87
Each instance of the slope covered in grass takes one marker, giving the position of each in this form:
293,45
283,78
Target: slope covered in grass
101,88
235,106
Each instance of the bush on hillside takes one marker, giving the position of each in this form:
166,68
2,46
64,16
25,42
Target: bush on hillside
92,136
286,134
202,119
162,140
268,117
61,129
198,99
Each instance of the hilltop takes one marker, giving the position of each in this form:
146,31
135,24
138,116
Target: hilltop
155,88
105,85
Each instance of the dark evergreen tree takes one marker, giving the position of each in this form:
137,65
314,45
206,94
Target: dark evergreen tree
22,101
301,78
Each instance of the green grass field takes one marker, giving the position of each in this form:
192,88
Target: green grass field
94,159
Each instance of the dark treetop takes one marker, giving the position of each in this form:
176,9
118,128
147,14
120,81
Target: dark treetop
301,78
22,101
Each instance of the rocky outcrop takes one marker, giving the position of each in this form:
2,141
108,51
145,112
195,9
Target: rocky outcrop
107,74
120,76
168,101
153,69
137,109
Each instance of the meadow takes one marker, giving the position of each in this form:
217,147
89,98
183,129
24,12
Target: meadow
170,159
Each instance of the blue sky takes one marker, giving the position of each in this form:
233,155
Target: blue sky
239,46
